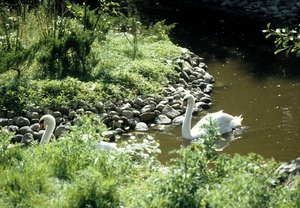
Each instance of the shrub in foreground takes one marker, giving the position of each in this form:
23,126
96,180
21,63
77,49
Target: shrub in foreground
72,173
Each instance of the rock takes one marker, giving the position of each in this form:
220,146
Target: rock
290,171
108,121
108,134
272,8
38,135
17,138
160,106
100,107
13,128
27,139
3,121
202,105
147,117
60,130
136,113
148,108
119,131
125,121
31,115
80,111
25,129
170,112
22,121
71,114
111,106
205,100
81,103
162,119
113,113
126,106
141,126
127,113
64,109
58,120
208,78
185,76
178,120
37,109
139,101
117,124
93,110
35,120
34,127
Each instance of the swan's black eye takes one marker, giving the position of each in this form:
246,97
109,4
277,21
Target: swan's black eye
185,100
41,122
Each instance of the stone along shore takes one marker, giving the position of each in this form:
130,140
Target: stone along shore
126,115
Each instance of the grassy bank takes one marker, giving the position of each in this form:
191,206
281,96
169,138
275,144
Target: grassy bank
53,59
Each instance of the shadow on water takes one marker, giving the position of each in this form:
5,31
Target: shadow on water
250,80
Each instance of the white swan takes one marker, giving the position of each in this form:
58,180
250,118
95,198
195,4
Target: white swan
102,145
227,123
47,121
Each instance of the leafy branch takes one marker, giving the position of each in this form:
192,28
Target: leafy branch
286,40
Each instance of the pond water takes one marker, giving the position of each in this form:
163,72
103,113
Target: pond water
250,80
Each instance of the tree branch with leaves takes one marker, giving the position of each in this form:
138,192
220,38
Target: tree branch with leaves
286,40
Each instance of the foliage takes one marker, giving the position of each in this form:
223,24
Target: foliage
68,56
160,30
70,172
78,53
286,40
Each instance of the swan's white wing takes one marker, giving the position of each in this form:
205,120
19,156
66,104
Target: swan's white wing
197,131
107,145
226,123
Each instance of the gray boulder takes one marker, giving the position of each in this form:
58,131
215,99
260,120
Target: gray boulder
147,117
170,112
290,171
162,119
141,126
22,121
25,129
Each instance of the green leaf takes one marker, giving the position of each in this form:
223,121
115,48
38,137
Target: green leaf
268,35
288,51
278,51
298,53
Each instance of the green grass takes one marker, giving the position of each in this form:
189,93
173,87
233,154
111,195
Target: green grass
72,173
111,68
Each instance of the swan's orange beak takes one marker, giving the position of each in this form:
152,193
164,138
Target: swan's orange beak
40,127
184,103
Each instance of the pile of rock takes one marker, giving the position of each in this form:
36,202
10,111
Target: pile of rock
286,10
290,171
126,115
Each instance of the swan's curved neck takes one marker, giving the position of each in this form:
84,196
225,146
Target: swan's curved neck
48,132
186,126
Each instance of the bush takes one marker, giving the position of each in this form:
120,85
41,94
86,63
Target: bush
72,173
